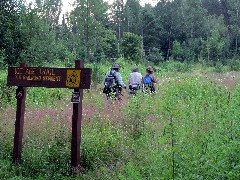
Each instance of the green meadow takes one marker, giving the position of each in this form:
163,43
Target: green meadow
188,129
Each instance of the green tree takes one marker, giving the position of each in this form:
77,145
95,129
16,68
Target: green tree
106,45
195,19
131,47
177,51
87,19
213,7
43,46
116,17
225,8
132,17
155,56
234,18
49,11
216,44
151,29
12,38
165,14
193,27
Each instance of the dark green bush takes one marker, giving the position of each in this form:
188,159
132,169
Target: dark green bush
7,93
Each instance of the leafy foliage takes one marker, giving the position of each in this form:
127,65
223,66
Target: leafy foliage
131,47
13,38
94,31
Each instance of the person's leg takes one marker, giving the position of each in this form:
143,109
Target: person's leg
152,89
108,96
118,95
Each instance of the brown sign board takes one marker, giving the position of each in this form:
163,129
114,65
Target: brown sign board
73,78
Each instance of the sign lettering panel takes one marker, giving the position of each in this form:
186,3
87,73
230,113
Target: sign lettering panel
49,77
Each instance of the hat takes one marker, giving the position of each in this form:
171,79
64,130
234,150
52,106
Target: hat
135,69
150,69
115,66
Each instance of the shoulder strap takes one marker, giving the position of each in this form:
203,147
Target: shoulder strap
115,77
113,73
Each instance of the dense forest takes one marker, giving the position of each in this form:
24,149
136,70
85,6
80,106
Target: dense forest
181,30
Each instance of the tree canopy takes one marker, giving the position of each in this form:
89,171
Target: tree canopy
183,30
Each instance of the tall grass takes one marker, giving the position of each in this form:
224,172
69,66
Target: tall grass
188,129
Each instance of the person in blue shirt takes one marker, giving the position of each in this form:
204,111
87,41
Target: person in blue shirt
113,83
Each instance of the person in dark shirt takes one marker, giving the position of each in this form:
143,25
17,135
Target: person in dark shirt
117,85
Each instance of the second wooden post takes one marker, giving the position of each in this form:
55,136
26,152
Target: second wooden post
76,125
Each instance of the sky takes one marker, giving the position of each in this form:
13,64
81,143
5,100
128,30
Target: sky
67,3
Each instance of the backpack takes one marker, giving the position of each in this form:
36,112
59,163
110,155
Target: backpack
110,83
147,79
134,87
148,83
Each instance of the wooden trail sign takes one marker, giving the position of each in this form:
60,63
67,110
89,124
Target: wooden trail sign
77,78
49,77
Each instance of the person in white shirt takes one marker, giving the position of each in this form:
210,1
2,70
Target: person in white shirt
134,81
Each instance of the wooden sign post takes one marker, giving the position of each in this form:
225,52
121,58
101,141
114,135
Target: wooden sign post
77,78
76,125
21,98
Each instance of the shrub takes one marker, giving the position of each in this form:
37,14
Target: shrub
7,93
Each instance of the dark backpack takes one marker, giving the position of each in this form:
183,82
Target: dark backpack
110,83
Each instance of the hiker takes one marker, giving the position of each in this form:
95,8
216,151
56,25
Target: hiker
134,81
149,79
113,83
